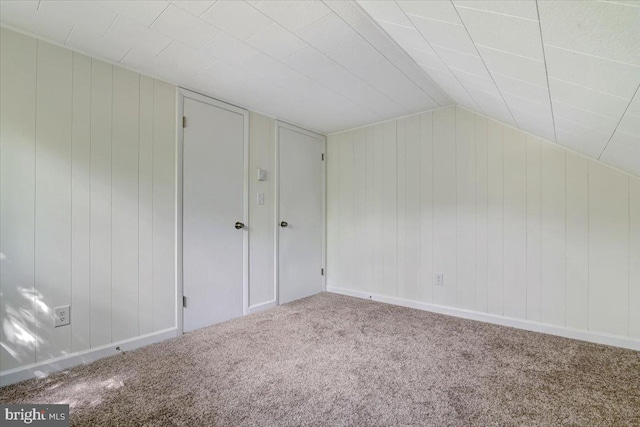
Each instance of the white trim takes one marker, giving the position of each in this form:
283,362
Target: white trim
528,325
42,369
262,306
182,94
276,198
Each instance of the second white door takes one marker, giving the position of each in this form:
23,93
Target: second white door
301,213
213,210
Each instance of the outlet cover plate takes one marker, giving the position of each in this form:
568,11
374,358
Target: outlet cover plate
438,279
62,315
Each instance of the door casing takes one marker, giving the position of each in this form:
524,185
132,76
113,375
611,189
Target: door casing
276,261
182,94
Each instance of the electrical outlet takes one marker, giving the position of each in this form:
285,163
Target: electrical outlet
438,279
62,315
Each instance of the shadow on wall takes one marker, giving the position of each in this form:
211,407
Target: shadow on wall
18,323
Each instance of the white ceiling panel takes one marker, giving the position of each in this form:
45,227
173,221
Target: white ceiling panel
142,11
518,67
588,99
309,61
348,11
184,27
24,15
469,63
294,15
592,72
276,41
329,34
407,37
387,11
451,36
87,14
580,140
129,33
507,33
268,68
533,108
372,33
585,118
237,18
604,29
521,8
229,49
83,39
437,10
194,7
534,93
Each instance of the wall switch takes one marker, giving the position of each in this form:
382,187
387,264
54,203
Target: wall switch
61,315
438,279
262,175
260,199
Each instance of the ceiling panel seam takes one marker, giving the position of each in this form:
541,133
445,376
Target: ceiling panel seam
619,121
546,72
439,57
484,63
373,21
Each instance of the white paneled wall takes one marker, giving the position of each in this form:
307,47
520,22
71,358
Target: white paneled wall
520,227
87,202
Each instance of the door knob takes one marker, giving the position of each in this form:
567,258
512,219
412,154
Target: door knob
284,224
239,225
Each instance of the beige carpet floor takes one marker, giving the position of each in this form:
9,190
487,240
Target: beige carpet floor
332,360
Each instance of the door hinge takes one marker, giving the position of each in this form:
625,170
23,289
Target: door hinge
184,302
184,121
322,271
323,157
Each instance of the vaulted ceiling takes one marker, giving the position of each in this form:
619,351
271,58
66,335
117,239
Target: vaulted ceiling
567,71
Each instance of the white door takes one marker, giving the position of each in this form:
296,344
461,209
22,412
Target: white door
300,225
213,195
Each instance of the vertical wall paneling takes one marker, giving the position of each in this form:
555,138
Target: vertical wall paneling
515,223
389,208
520,227
634,257
261,221
369,239
444,204
481,272
334,198
495,215
124,230
164,221
81,204
426,206
466,209
577,258
608,250
347,268
379,284
533,229
101,125
53,197
17,198
401,158
412,286
553,215
145,207
359,208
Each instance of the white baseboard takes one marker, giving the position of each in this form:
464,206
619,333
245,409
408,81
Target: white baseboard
262,306
594,337
42,369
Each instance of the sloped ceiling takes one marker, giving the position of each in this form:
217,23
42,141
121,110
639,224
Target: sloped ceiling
323,65
567,71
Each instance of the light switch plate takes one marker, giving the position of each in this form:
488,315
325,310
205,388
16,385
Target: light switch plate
262,175
260,199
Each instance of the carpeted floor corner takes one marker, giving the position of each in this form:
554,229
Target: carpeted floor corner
332,360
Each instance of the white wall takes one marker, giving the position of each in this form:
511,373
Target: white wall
87,202
261,217
520,227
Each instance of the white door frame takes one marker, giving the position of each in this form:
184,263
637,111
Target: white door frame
182,94
276,267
